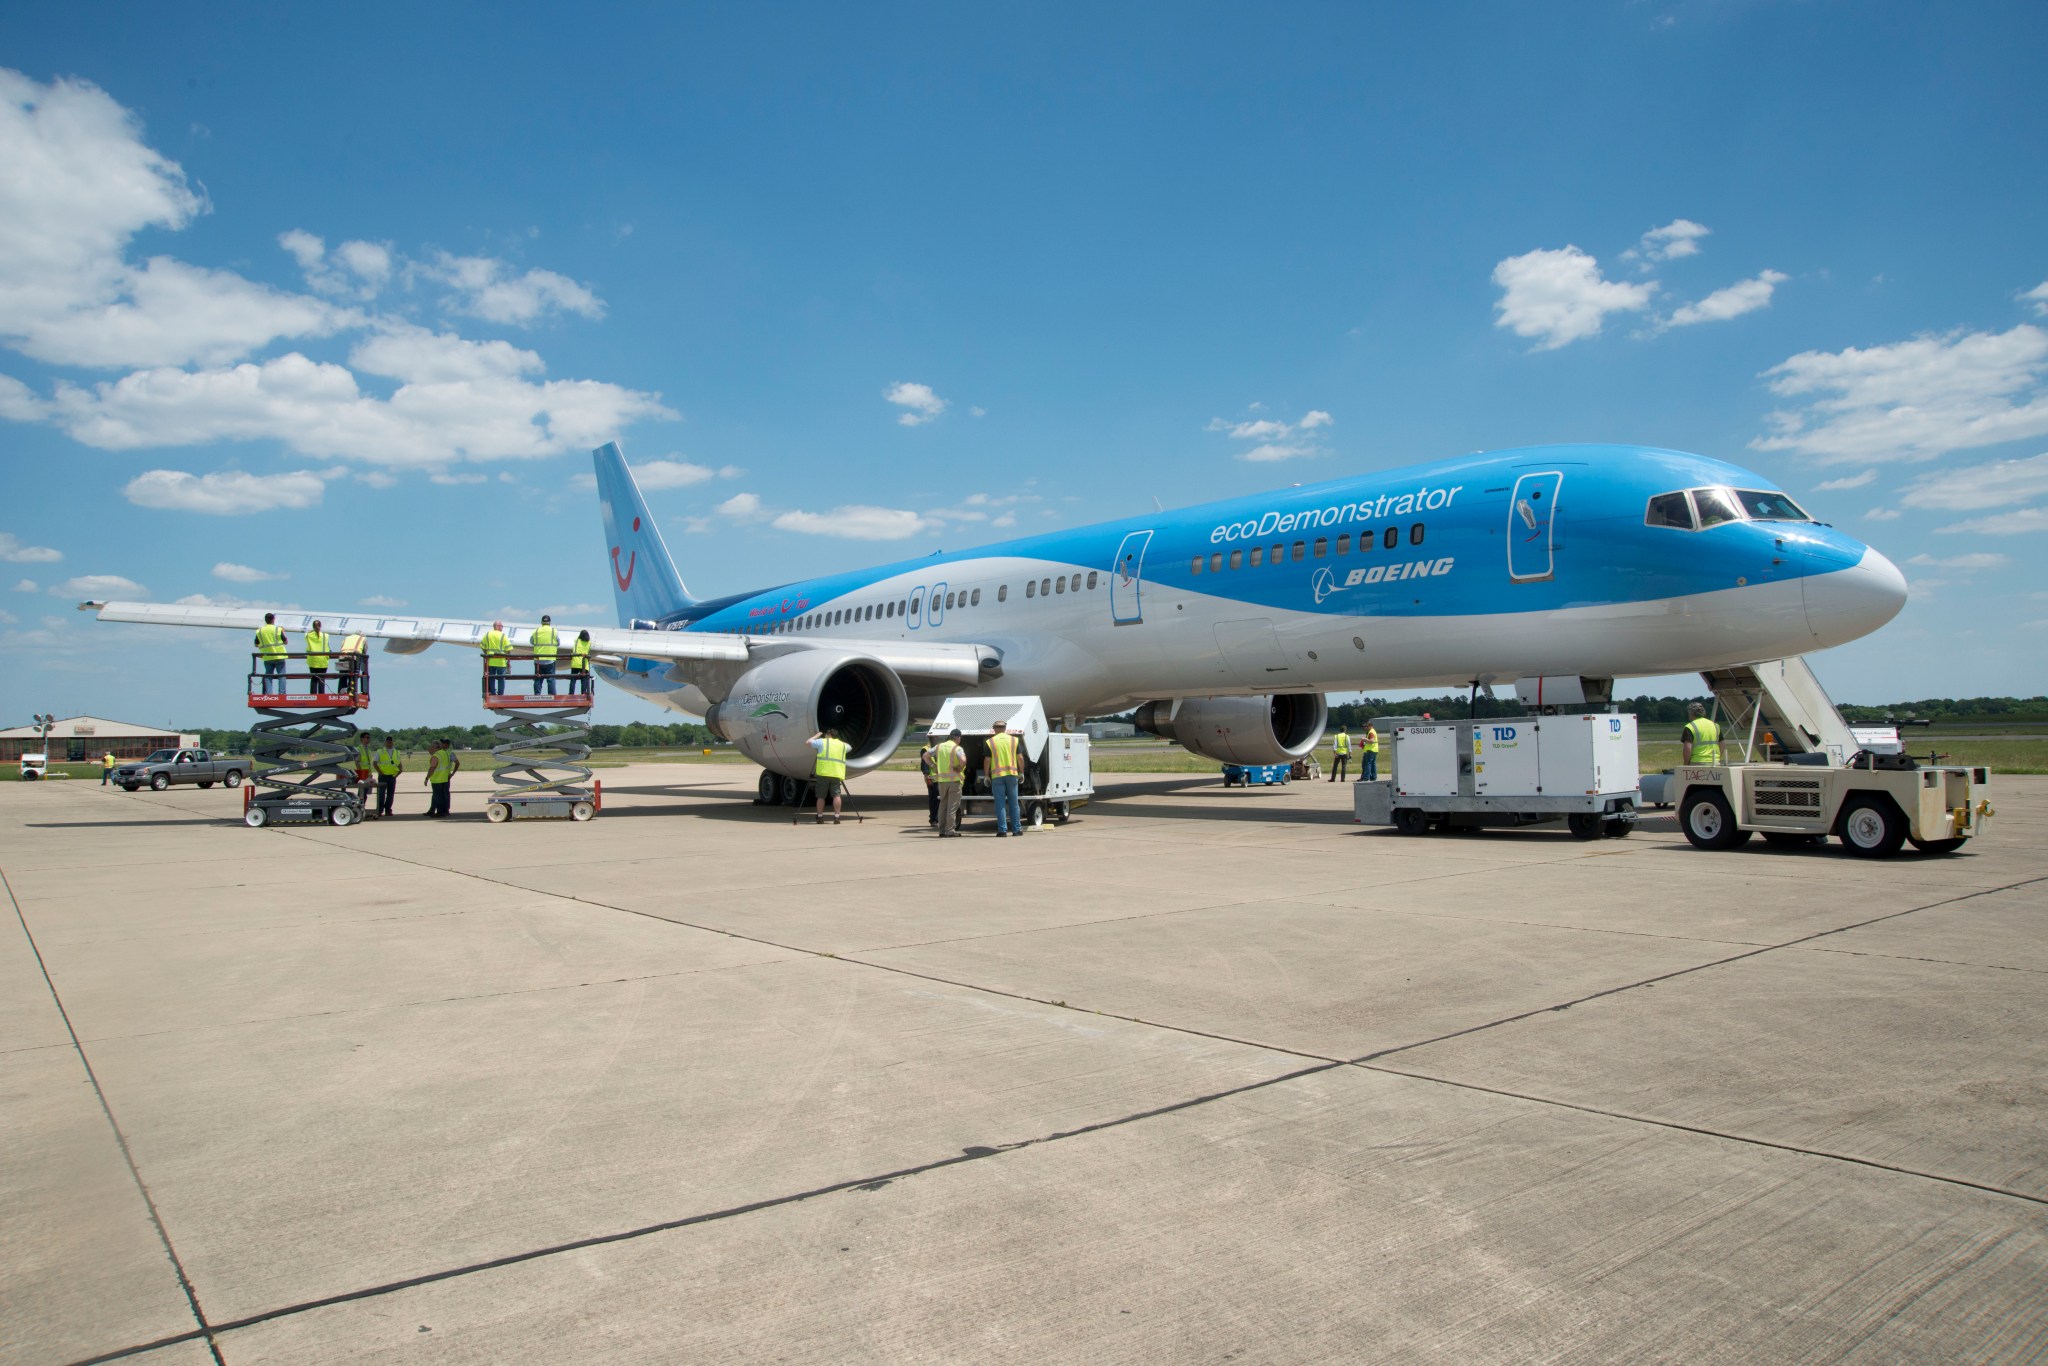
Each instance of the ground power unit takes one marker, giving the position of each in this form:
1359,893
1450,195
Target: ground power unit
1511,771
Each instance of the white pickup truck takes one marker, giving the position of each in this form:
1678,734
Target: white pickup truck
182,767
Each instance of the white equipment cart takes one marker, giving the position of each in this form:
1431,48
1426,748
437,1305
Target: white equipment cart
1524,770
1056,776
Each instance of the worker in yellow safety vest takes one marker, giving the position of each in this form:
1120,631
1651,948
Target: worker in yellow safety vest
1005,772
1700,741
106,768
828,770
579,665
497,658
442,766
353,661
949,765
1341,749
389,763
1370,746
270,643
547,649
316,657
363,763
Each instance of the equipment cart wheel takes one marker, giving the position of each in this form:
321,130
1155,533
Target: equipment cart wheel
769,791
234,778
1410,820
1872,828
1939,846
159,782
1584,825
1036,820
582,811
340,815
1062,813
256,818
1708,822
1616,829
497,812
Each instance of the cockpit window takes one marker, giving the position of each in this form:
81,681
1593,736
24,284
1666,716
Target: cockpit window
1771,507
1669,509
1716,506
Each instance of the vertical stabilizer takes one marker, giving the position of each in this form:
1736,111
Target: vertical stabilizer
644,578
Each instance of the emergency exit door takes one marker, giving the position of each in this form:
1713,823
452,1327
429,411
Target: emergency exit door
1532,527
1127,580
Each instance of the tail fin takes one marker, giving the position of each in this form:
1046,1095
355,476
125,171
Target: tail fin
644,578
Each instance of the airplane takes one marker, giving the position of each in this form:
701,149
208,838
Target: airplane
1225,623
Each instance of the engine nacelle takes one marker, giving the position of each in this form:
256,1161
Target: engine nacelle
776,707
1277,729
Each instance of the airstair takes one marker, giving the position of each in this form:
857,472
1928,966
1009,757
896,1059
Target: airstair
1779,704
304,750
540,747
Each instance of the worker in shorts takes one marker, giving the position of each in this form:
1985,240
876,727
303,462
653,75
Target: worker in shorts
828,770
949,766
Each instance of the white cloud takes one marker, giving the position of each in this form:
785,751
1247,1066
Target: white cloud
1678,238
741,506
1745,296
486,288
9,619
447,480
2002,482
1883,515
14,552
671,474
855,522
229,493
99,586
1912,400
1277,440
28,586
1847,481
730,471
1271,451
2038,297
1008,519
414,355
2003,524
1314,418
921,403
1559,297
242,573
977,412
1963,564
379,600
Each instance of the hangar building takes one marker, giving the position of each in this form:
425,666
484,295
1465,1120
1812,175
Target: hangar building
82,739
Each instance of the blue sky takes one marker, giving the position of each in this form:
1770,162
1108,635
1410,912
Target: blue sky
345,300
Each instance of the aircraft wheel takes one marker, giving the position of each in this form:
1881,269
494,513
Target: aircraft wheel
256,817
792,792
582,811
1939,846
1708,822
1872,828
768,792
234,778
497,812
1410,820
1584,825
340,815
160,782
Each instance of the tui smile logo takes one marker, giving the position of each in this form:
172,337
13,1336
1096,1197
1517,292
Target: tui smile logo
625,580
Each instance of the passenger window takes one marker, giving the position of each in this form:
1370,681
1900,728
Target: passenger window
1716,506
1076,584
1196,567
1322,547
1344,544
975,601
1237,559
1279,553
1669,509
1216,563
1031,590
1301,550
1091,581
1415,534
1258,556
1060,584
1003,593
1392,537
1045,588
949,602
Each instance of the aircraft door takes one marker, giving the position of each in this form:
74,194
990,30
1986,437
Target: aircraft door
1532,524
1126,580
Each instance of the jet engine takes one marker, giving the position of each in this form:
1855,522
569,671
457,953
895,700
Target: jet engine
776,707
1276,729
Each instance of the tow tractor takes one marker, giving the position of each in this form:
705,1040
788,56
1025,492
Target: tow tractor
1874,804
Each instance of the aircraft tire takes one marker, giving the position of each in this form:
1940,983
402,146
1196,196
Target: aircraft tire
768,791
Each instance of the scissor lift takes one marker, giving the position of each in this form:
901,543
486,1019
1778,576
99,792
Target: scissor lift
539,749
304,750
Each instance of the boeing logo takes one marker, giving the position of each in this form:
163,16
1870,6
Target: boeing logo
1393,573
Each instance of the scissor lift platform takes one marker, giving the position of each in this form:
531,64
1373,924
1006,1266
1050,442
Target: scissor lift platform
304,748
539,749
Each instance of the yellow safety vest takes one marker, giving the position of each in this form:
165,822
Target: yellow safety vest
832,758
547,646
443,767
316,649
1372,741
1342,744
362,754
388,762
497,649
1002,755
106,761
270,640
945,759
579,655
1706,740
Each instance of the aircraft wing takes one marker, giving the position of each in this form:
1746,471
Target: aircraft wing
716,653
